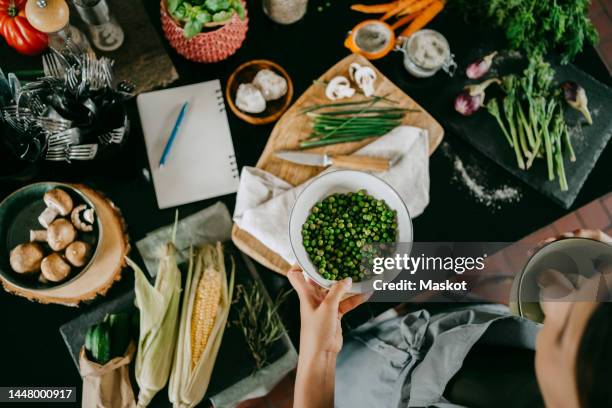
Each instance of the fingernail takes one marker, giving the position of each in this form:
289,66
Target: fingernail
348,281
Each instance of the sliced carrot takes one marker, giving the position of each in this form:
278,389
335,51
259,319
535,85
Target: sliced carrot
415,7
403,21
374,8
424,18
401,4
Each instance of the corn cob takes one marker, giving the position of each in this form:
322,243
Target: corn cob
205,306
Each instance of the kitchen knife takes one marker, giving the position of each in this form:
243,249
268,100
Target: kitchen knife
347,162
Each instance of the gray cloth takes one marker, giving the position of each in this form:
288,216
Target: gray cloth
406,361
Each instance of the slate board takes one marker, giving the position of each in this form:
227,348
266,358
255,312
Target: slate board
234,362
481,129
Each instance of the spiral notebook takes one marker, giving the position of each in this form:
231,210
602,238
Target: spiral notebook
201,163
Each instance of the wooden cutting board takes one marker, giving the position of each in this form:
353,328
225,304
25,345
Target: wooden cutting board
294,127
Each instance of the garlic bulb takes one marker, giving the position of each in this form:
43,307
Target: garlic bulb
250,99
271,85
339,88
364,77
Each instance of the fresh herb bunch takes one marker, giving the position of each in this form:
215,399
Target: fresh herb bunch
537,26
258,320
531,118
339,227
198,14
342,122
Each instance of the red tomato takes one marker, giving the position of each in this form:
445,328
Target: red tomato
17,31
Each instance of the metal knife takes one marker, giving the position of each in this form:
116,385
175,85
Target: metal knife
352,162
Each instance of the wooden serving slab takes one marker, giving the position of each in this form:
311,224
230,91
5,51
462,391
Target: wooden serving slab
106,267
294,127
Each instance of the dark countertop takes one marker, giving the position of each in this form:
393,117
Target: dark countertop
33,349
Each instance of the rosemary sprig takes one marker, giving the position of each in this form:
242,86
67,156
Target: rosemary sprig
258,320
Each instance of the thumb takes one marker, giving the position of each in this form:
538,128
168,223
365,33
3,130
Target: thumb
337,291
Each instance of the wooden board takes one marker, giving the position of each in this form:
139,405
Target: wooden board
104,270
294,127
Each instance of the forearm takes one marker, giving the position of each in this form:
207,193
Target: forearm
314,382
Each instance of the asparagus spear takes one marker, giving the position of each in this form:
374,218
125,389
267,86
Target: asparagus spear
509,111
493,108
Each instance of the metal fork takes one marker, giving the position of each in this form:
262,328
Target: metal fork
52,66
36,105
72,81
57,154
14,110
21,125
52,125
79,152
64,139
83,152
115,136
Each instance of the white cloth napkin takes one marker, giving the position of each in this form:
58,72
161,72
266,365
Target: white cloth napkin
264,201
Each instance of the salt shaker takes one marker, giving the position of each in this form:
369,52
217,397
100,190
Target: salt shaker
52,17
106,33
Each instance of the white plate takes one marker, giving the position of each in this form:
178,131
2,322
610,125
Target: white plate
342,181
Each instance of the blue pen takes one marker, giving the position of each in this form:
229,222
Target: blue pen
175,131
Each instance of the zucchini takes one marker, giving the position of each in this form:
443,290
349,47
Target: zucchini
120,333
101,343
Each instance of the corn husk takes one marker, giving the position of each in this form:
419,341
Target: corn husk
159,307
189,381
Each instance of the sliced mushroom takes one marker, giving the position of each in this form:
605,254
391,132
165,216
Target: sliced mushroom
364,77
26,258
338,88
89,215
54,268
59,234
58,202
78,221
78,253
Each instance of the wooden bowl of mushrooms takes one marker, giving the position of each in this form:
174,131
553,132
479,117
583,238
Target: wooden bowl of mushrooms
51,235
259,92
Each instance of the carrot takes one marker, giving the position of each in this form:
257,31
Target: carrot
414,7
403,21
401,4
374,8
425,17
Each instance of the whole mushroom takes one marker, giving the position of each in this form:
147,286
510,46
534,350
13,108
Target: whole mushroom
26,258
59,234
54,268
78,253
58,202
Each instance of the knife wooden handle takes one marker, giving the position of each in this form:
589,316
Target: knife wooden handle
361,163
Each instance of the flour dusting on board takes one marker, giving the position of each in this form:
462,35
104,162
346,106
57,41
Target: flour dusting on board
473,178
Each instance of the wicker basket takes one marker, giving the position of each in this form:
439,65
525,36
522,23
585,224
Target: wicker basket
210,46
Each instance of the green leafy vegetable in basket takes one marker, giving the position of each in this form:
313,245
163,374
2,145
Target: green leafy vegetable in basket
196,15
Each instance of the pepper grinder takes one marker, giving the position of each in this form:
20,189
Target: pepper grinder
53,18
106,33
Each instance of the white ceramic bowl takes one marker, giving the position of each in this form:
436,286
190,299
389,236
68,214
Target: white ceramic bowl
342,181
